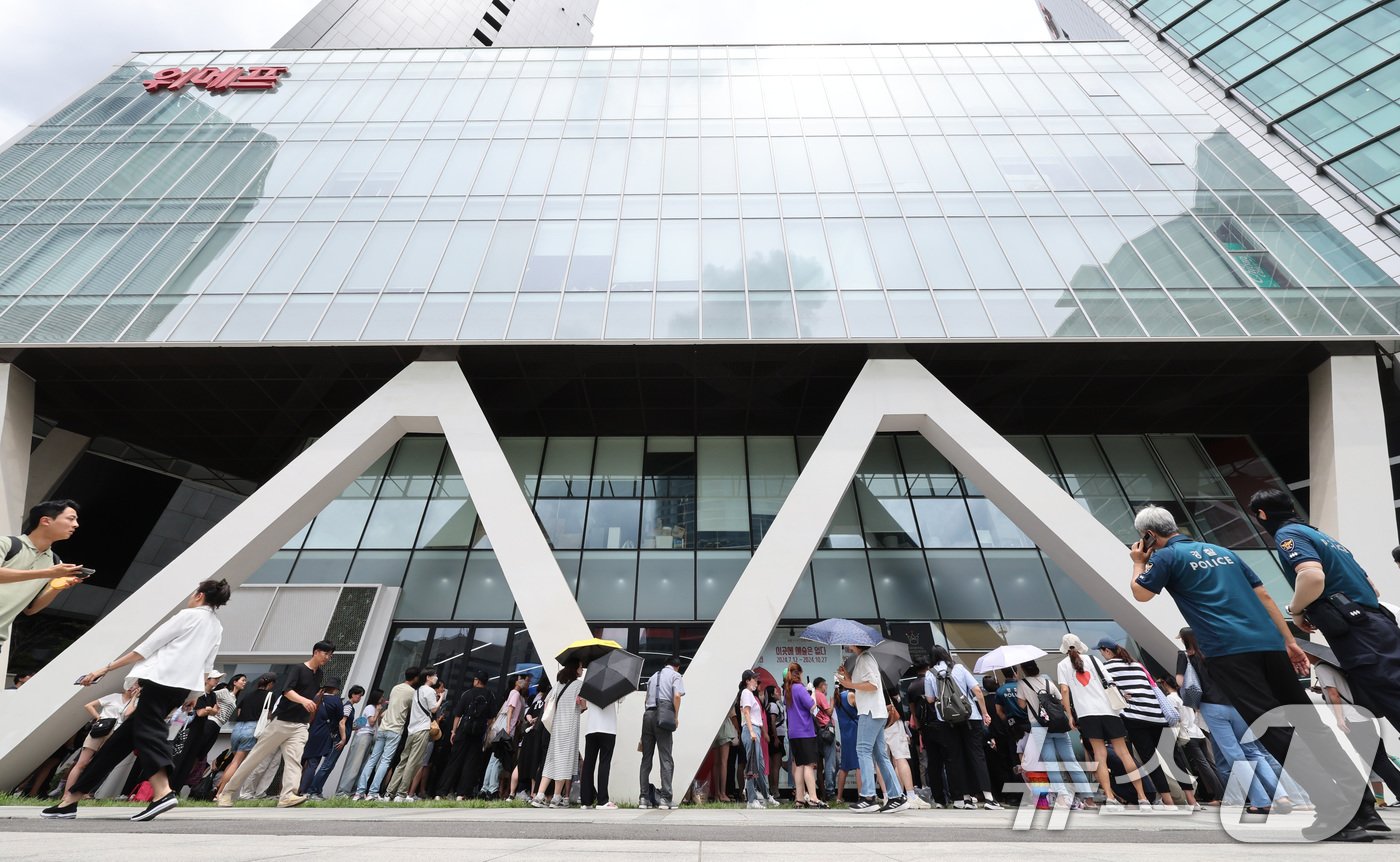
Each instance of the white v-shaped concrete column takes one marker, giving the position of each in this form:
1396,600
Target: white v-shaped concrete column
426,397
433,397
900,395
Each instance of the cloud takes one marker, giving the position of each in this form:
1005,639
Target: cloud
53,50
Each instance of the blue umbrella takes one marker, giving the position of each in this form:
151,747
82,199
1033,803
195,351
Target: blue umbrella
838,632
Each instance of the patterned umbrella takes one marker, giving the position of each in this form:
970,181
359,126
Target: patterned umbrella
837,632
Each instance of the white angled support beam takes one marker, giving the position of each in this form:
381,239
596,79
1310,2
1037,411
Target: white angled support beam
1352,497
51,461
16,439
426,397
901,395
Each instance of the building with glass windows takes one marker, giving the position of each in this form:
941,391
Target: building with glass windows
662,269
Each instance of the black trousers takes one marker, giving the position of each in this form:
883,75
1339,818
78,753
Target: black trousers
966,757
505,753
1193,758
1370,654
474,769
1362,735
937,761
597,756
1257,682
1144,737
143,733
452,770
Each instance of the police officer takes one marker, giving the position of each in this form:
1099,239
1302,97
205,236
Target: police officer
1252,657
1334,595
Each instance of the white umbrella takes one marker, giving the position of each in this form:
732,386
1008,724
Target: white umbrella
1007,656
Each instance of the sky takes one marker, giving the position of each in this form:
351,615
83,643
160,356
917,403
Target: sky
52,50
627,22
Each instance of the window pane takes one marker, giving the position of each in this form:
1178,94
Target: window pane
1189,467
340,524
902,585
636,256
679,267
617,471
1022,587
1093,485
717,573
612,524
378,567
772,473
723,501
842,579
765,259
961,584
606,585
567,465
485,594
994,529
1136,469
321,567
666,586
450,516
807,254
433,581
721,269
562,521
404,495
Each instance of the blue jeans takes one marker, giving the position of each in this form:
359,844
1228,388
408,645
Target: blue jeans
386,745
1057,757
318,781
1227,731
872,754
755,771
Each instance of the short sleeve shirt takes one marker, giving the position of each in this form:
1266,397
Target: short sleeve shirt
1330,677
1299,543
15,597
749,702
664,685
869,702
1214,589
305,682
961,677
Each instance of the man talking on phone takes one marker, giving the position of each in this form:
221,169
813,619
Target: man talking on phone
31,575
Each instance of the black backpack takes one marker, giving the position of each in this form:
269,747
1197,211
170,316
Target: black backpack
16,545
479,710
1050,712
921,708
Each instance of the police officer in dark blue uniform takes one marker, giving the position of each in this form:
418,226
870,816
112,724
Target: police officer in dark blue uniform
1334,595
1254,660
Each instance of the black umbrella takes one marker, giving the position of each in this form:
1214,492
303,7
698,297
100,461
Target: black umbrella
892,657
611,677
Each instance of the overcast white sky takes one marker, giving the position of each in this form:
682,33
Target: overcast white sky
709,22
51,50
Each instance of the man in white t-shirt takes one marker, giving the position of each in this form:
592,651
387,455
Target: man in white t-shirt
871,717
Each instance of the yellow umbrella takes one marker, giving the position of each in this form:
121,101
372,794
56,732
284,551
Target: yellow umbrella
585,651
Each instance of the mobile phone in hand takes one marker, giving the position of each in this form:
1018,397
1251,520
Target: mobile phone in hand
85,572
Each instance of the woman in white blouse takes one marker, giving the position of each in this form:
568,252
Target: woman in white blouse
169,664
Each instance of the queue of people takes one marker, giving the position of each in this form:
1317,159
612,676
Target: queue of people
946,739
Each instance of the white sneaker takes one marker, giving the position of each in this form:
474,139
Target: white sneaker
374,797
991,805
919,802
756,805
410,799
773,803
607,806
1144,806
355,797
966,804
538,802
1112,806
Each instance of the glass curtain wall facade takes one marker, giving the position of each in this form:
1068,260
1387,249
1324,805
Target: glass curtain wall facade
1322,72
838,192
653,532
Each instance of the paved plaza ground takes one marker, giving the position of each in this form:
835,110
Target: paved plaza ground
479,835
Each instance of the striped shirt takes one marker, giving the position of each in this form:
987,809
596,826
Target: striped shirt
1136,687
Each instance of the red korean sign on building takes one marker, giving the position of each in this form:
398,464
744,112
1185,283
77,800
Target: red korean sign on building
217,80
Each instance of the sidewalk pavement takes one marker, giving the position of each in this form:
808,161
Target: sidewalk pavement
684,835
